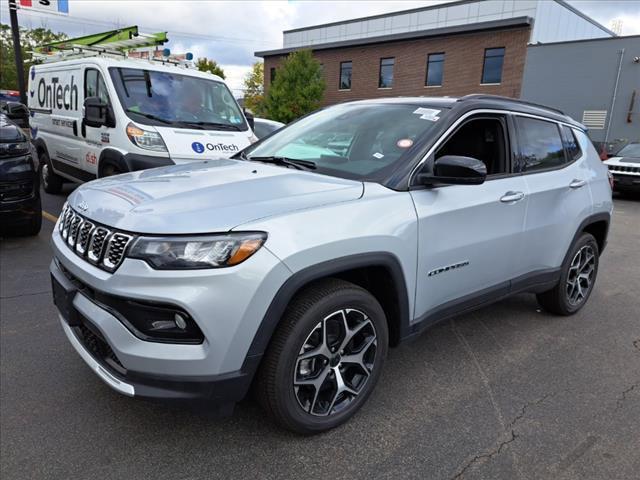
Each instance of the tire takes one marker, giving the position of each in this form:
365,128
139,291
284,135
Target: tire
579,272
51,182
110,170
319,308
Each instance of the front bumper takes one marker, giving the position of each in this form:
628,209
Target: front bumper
227,304
623,182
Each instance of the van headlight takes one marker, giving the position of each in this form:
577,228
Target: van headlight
147,139
210,251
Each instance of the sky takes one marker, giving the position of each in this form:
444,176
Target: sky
231,31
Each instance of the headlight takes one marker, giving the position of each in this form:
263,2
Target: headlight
213,251
146,139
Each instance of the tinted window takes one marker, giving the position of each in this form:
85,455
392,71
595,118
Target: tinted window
386,72
94,85
540,144
345,76
262,129
272,74
492,68
571,145
435,69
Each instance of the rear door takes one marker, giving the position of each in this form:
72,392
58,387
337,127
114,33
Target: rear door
468,235
553,167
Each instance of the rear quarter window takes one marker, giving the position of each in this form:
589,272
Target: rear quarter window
571,144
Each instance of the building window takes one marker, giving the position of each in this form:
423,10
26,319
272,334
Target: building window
386,72
345,76
435,70
492,68
272,74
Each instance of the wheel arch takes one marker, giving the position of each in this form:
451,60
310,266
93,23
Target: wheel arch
110,156
380,273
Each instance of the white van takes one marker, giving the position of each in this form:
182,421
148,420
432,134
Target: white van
99,116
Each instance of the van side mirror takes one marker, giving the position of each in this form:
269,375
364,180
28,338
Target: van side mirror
97,113
455,170
249,116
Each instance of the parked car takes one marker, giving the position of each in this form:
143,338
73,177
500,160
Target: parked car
263,127
133,118
20,209
17,113
625,168
294,267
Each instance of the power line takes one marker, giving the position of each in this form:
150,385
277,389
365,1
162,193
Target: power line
84,21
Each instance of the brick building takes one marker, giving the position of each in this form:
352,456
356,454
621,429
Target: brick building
467,46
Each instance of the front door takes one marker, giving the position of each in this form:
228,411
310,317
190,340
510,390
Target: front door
95,138
469,234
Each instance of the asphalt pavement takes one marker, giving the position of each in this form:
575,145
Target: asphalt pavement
506,392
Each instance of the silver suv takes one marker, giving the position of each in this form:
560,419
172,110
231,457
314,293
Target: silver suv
293,267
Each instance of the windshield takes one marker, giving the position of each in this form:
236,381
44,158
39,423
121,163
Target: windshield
162,98
359,141
631,150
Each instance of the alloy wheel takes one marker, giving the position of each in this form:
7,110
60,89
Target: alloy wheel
581,275
335,362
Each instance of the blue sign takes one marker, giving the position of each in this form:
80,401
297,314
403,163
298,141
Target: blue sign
197,147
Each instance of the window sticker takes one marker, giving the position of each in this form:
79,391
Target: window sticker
404,143
428,114
378,155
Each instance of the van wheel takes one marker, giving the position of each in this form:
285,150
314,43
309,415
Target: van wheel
325,358
51,182
110,170
577,279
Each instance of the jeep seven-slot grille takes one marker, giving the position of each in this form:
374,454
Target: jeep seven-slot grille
101,246
624,169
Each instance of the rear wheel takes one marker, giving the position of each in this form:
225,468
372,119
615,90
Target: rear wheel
51,182
577,279
325,358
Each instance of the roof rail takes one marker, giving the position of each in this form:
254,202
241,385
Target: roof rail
481,96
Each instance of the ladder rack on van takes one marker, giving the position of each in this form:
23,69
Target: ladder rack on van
114,44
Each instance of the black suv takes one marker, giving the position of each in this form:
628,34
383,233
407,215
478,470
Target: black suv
20,208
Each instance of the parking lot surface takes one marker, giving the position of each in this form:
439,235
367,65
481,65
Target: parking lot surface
506,392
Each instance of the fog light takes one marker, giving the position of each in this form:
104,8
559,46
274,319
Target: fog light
181,323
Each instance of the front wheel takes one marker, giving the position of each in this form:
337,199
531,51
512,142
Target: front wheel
576,280
325,358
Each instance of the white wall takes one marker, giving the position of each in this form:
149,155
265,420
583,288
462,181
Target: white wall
553,22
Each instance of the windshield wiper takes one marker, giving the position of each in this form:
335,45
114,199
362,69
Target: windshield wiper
219,126
150,116
299,164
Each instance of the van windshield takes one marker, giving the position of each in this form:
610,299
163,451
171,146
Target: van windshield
168,98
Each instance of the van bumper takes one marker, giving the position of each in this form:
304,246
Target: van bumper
136,162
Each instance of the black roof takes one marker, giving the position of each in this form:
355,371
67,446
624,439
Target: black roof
475,101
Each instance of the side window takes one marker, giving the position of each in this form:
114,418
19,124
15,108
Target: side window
540,144
571,144
91,83
482,138
94,85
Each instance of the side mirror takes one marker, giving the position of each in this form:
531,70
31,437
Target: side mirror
97,113
18,112
249,116
455,170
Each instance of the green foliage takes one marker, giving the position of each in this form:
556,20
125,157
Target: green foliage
254,89
297,89
211,66
29,39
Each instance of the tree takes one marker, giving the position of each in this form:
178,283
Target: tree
29,40
254,89
211,66
297,89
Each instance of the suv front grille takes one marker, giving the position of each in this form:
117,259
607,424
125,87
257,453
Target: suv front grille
100,245
623,169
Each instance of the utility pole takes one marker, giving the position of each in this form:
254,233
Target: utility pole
13,14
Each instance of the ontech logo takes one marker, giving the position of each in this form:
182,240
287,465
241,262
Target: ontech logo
197,147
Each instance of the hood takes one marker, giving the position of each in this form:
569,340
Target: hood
206,197
202,144
623,161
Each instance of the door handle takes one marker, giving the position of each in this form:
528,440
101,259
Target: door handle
512,197
576,183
